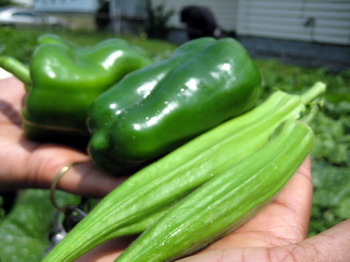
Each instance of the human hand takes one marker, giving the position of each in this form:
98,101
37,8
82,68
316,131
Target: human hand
276,234
28,164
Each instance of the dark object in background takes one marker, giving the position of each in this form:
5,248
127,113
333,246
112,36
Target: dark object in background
200,22
7,201
102,18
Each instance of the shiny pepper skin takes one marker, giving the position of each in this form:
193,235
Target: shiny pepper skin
160,107
66,79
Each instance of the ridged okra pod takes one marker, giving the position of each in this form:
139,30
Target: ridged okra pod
153,189
226,201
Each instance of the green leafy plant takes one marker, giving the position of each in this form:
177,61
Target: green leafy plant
331,202
24,232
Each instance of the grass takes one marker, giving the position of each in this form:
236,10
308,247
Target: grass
21,43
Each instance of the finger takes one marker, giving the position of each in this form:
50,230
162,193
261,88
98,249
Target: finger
280,223
296,197
287,218
11,97
12,90
27,164
244,254
288,215
209,256
108,251
84,178
331,245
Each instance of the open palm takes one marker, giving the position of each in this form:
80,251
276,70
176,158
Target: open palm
276,234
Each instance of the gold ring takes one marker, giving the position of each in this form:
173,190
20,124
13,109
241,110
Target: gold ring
54,183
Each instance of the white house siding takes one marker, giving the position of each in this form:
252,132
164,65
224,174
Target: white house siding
225,11
329,21
128,16
131,8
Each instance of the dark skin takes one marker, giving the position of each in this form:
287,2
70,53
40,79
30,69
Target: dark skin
27,164
277,233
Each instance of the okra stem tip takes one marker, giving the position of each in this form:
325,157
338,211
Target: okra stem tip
316,90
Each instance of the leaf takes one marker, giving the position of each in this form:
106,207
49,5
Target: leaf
343,210
24,233
331,201
332,139
331,184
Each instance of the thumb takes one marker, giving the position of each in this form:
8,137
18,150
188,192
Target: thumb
331,245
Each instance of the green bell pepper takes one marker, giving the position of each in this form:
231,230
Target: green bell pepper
158,108
65,79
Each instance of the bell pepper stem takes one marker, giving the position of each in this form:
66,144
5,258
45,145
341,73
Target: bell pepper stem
17,68
317,89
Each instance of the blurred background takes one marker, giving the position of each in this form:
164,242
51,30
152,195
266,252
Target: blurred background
294,44
308,32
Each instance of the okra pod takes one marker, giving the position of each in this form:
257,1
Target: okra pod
226,201
174,176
